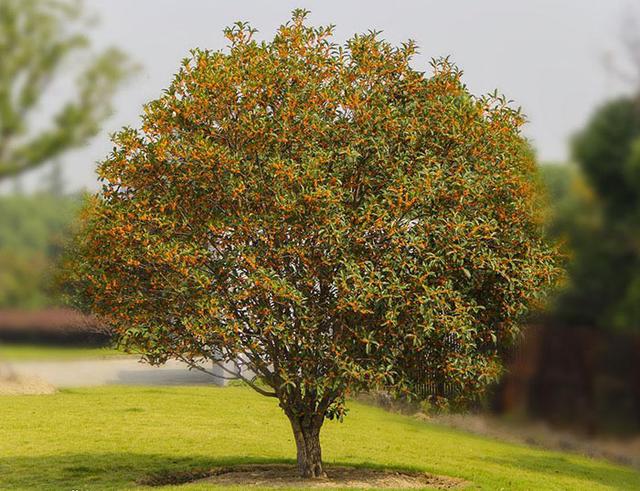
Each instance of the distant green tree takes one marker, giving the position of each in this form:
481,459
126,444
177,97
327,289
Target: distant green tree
598,213
53,182
33,230
38,40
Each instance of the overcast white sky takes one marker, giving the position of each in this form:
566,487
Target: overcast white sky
546,55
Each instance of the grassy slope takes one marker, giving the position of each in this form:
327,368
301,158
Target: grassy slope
29,352
108,438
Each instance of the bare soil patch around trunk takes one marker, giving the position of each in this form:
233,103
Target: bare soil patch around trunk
286,476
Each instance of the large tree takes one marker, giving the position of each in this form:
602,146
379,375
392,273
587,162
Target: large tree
325,216
40,46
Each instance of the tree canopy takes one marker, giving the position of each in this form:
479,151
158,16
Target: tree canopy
600,220
325,215
40,44
33,231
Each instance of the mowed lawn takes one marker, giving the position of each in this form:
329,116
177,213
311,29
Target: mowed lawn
115,437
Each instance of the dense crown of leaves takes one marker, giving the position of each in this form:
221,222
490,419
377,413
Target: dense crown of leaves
331,215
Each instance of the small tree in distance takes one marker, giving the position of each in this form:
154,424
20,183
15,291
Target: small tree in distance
325,215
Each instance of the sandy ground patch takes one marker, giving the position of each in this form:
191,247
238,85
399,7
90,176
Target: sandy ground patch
12,384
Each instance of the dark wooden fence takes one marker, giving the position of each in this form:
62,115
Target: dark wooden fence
578,377
574,376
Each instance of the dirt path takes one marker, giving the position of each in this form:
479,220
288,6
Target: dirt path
125,371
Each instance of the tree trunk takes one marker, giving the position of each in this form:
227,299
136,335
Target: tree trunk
306,431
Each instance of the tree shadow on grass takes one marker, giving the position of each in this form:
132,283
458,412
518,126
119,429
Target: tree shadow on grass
111,470
595,472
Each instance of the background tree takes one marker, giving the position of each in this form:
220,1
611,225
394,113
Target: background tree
603,232
40,44
325,216
33,231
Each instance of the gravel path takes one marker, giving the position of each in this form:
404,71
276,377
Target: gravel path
124,371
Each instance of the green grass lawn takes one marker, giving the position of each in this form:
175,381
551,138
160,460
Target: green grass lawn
111,438
32,352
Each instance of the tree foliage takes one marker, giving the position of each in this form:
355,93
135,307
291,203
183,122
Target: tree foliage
33,231
601,223
324,214
40,44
